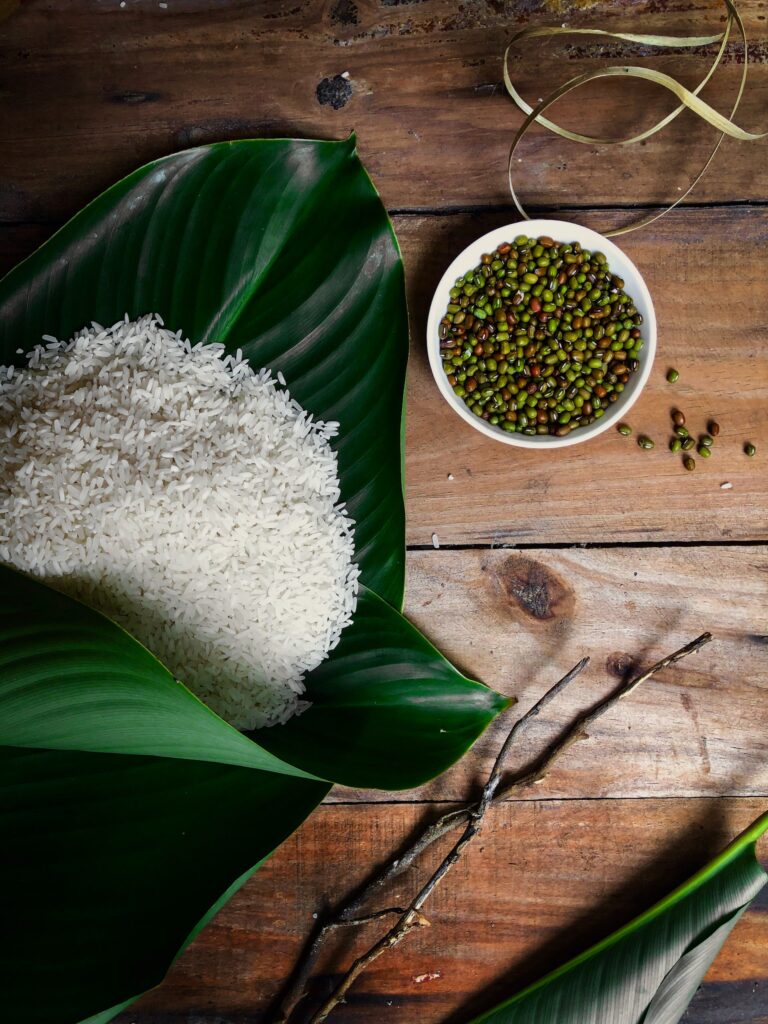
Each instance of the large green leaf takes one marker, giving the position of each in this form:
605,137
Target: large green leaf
70,679
110,860
128,810
278,247
648,971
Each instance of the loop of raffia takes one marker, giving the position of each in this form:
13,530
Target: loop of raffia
689,99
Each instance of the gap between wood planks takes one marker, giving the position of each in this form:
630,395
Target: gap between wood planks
546,210
411,802
587,545
552,211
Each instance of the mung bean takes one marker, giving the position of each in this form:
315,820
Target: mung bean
540,337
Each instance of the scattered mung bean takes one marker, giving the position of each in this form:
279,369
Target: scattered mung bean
675,444
645,442
689,463
707,440
749,449
713,427
678,418
703,451
624,428
672,376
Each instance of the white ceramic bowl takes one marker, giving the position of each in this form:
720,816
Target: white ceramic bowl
561,231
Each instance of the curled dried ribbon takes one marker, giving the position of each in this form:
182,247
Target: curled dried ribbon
689,99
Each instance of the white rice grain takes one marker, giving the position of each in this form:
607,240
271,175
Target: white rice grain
189,498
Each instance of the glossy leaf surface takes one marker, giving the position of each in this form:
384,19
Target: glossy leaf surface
278,247
348,733
111,860
70,679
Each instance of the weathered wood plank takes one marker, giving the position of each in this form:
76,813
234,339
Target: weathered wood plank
545,881
702,267
519,621
92,89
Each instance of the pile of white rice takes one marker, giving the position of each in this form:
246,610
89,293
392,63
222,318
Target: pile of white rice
188,498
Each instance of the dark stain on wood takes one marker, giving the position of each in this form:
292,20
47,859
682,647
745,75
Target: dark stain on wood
620,664
334,92
534,589
741,997
220,128
283,13
701,739
488,88
345,13
757,52
136,97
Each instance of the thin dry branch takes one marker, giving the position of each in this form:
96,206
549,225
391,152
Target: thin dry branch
471,817
476,813
577,730
347,914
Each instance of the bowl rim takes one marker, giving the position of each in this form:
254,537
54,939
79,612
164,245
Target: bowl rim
590,239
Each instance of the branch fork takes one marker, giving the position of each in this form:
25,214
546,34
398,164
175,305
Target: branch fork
497,788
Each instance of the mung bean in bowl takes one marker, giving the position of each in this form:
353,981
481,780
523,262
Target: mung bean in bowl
541,334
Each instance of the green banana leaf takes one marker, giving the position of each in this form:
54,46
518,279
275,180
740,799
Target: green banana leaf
129,811
648,971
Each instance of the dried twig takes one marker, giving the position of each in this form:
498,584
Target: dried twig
471,817
347,914
577,730
475,813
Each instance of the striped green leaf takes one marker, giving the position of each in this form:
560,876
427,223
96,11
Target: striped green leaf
648,971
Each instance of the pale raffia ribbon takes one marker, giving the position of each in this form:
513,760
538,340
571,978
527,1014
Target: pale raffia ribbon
689,99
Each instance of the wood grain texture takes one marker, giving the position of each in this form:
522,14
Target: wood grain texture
520,620
544,881
711,305
110,87
90,90
702,268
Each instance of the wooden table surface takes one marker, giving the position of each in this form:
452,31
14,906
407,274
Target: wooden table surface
604,549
